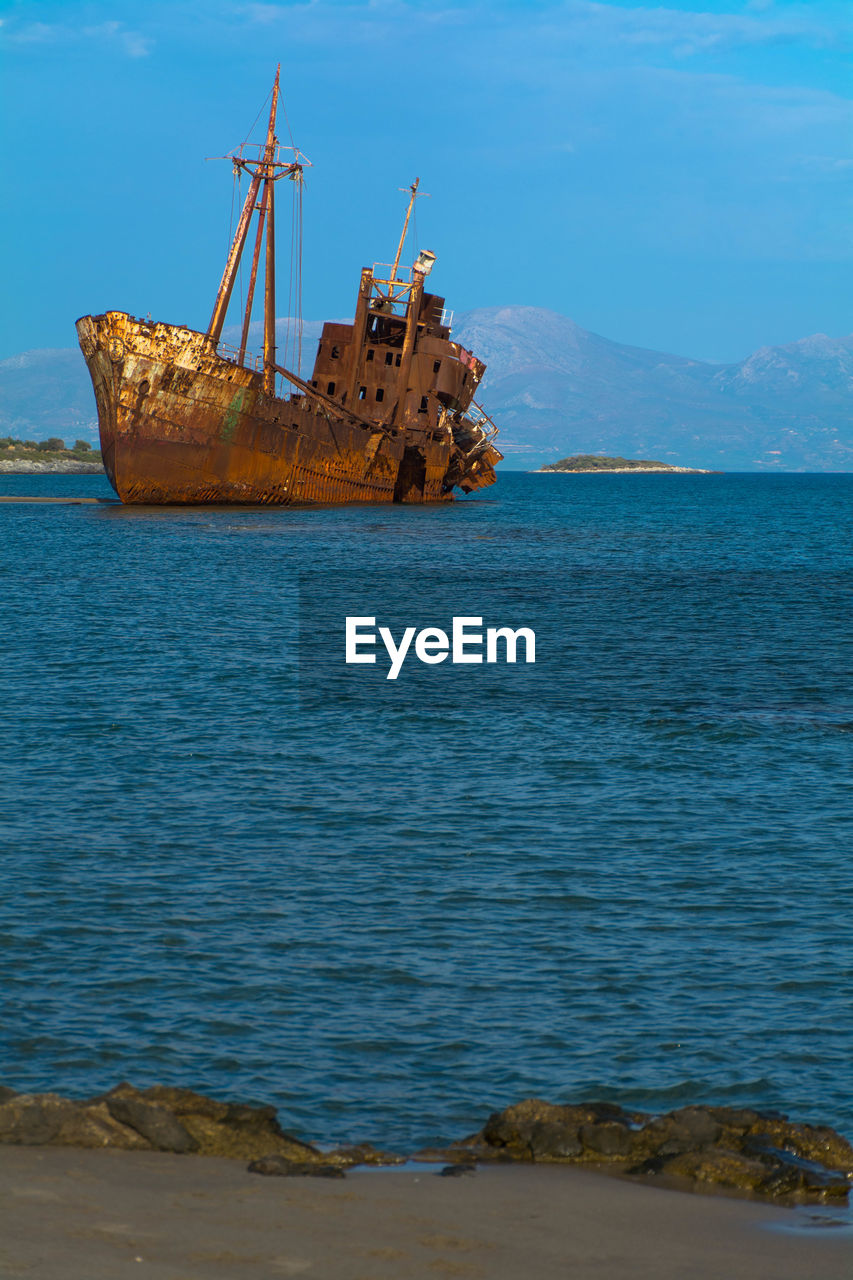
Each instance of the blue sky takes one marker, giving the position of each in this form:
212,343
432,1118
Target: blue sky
676,176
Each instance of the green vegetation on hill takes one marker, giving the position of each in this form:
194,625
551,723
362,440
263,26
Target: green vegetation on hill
51,450
596,462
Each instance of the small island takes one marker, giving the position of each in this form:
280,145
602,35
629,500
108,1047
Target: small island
597,462
33,456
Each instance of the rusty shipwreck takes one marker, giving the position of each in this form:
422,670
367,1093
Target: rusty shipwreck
387,415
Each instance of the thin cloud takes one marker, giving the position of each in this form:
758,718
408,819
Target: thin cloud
132,43
135,44
31,33
684,32
825,166
263,14
688,33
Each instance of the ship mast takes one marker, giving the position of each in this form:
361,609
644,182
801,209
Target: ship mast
266,170
412,198
269,282
250,296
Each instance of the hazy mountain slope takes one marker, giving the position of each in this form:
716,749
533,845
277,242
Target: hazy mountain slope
556,389
47,393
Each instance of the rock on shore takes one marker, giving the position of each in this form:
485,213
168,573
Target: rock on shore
156,1119
737,1148
164,1118
62,466
751,1152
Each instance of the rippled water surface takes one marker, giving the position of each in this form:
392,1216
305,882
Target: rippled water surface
232,862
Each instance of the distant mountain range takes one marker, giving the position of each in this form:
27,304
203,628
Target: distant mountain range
555,389
47,393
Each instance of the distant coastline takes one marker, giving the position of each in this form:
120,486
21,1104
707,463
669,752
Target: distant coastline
594,462
28,457
17,467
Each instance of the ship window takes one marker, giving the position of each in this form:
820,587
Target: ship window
436,366
335,352
424,405
330,389
398,361
313,382
362,392
380,394
389,357
370,353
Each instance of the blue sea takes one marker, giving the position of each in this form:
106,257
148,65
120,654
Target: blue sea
233,862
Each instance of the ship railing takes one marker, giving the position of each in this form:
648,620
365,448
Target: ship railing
232,354
477,416
382,273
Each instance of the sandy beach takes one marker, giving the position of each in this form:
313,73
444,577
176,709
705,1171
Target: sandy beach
105,1215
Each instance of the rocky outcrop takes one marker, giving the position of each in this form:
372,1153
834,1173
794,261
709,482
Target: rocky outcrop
751,1152
59,466
154,1123
156,1119
164,1118
226,1128
37,1119
740,1149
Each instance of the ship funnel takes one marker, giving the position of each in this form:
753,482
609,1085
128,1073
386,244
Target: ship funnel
423,262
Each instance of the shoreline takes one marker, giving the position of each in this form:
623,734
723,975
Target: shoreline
64,466
106,1215
703,1148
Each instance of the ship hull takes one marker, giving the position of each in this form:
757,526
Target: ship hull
181,424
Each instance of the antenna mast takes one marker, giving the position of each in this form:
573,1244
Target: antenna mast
414,195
